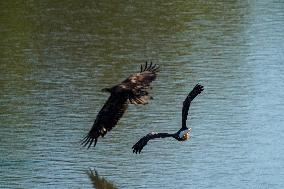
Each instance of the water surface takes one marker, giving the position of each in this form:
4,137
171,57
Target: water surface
56,57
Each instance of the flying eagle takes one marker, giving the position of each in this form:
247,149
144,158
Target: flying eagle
134,90
181,135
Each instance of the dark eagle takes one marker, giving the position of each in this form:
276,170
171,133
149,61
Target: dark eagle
181,135
134,90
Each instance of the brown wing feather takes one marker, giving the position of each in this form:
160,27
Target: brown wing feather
186,103
137,148
107,118
139,84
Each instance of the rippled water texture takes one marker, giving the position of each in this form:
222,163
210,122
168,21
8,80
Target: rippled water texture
56,56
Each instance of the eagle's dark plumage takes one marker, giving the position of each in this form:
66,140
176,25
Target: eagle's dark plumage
134,90
182,134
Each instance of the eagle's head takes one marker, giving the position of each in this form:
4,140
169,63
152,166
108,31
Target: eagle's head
185,134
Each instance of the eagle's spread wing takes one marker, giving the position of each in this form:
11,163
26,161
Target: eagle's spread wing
107,118
137,148
186,103
139,84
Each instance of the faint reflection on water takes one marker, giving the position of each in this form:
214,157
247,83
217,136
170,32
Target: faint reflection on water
98,181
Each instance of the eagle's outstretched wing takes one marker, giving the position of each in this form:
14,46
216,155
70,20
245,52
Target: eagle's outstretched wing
186,103
106,119
134,89
137,148
138,84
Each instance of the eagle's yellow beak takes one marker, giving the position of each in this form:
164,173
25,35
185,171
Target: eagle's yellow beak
186,136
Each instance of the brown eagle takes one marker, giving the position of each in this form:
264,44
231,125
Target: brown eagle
134,90
181,135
